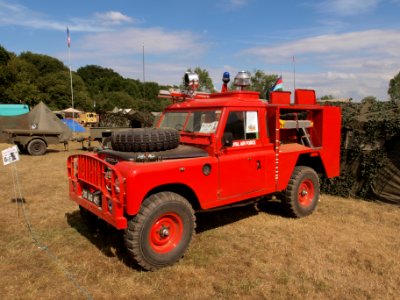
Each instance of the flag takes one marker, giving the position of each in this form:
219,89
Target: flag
68,38
278,85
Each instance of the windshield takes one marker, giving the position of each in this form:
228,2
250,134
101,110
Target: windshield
204,121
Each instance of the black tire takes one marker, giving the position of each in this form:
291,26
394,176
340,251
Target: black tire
160,233
36,147
145,139
302,193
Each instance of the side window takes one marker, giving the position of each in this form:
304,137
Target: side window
243,125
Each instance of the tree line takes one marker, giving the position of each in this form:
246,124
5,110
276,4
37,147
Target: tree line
30,78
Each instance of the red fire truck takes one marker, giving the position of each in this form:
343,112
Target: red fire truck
207,151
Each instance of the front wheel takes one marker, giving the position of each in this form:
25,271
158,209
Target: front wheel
160,233
302,193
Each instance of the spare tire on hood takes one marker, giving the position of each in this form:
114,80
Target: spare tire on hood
145,139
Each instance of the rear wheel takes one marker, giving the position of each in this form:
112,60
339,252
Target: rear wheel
302,193
160,233
36,147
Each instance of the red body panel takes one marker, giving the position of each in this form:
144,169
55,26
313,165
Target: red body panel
245,169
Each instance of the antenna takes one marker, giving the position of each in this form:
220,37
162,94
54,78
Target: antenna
144,80
294,75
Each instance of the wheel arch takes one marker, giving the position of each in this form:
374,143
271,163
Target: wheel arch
35,138
180,189
314,162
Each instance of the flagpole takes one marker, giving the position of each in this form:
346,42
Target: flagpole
70,76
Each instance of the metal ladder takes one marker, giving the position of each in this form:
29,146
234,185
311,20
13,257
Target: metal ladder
305,137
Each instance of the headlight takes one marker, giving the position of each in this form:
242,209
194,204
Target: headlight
97,198
117,187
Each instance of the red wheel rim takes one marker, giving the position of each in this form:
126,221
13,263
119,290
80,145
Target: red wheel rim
306,192
166,233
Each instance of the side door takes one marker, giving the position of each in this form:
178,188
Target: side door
242,165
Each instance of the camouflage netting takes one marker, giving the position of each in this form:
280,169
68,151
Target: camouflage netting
370,152
135,119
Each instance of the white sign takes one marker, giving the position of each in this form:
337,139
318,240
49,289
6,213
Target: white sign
209,127
10,155
251,122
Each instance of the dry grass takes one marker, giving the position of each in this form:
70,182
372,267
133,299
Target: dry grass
348,249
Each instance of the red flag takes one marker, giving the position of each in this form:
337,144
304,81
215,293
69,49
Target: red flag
68,38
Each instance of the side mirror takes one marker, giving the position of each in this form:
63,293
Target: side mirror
227,139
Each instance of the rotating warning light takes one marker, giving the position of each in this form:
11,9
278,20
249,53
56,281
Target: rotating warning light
191,80
226,77
242,79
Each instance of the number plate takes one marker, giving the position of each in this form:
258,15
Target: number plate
92,197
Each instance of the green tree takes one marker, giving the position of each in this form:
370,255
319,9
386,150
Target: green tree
44,64
262,83
103,84
327,97
119,99
55,91
101,80
17,80
5,56
394,88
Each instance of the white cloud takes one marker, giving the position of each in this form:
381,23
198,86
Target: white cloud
131,40
364,42
347,7
353,64
113,17
15,14
19,15
168,54
230,5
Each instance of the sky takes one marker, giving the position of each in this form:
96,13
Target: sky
343,48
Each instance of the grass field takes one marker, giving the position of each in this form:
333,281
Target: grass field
348,249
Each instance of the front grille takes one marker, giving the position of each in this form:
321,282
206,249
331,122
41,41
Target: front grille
88,174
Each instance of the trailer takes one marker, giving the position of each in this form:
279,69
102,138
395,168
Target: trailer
34,131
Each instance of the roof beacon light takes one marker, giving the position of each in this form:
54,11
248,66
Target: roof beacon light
191,83
242,79
192,80
226,77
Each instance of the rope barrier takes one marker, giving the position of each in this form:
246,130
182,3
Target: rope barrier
19,199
